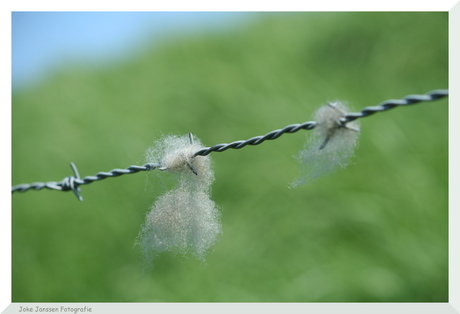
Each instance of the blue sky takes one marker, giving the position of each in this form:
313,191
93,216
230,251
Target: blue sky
41,41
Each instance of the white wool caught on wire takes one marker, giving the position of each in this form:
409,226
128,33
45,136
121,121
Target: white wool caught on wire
329,146
185,219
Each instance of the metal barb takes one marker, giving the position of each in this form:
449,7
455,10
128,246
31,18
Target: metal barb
326,140
69,183
73,184
192,168
190,135
331,132
339,124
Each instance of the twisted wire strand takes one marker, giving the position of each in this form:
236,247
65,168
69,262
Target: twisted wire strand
392,103
72,183
367,111
257,139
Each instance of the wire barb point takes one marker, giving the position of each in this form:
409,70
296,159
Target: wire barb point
190,136
69,183
192,168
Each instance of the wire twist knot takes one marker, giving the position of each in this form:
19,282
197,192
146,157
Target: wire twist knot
71,183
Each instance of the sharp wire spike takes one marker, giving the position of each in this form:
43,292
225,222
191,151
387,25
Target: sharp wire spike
352,128
73,184
192,168
326,140
190,135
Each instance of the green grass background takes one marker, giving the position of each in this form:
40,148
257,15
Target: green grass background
375,231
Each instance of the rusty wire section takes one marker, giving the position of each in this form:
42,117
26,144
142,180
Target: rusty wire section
72,183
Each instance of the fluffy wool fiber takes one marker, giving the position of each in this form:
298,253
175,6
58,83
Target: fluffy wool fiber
329,146
185,219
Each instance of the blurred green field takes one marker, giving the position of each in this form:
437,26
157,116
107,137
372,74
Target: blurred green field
375,231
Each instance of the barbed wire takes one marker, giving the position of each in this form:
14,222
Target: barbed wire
72,183
367,111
